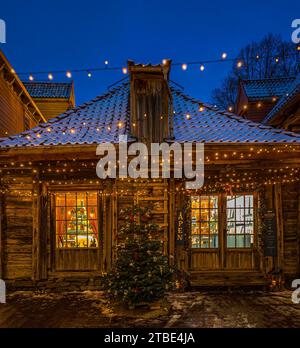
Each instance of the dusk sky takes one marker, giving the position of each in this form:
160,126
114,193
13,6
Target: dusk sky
65,35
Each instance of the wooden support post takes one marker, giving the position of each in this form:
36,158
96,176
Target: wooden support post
298,234
279,224
39,232
172,213
2,231
36,231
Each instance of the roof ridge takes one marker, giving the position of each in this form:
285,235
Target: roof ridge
270,78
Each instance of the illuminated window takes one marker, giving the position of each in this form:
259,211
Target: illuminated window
77,220
240,219
204,210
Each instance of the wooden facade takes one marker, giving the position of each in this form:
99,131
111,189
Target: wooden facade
18,112
240,229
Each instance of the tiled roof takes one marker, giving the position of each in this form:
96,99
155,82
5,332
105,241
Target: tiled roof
106,117
267,88
48,89
292,93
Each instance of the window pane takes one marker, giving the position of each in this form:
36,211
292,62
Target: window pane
204,215
77,220
240,218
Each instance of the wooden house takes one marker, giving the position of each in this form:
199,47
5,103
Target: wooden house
52,98
257,97
59,220
18,111
286,113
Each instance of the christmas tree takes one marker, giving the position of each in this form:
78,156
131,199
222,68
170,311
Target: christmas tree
81,232
141,272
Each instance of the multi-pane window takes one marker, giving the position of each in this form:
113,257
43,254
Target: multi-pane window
240,229
204,210
77,220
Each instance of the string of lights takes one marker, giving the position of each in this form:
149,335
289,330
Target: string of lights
239,62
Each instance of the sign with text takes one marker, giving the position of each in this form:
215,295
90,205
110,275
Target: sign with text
180,227
270,236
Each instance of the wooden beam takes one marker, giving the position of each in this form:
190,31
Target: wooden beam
279,223
2,232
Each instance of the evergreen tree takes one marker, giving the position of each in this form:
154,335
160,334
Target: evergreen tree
141,272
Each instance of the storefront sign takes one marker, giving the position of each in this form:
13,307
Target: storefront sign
270,237
180,228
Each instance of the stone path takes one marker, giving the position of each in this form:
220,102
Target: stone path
185,310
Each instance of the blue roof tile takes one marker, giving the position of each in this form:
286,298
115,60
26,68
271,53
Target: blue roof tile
107,116
48,89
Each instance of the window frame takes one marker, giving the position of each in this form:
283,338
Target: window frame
98,220
222,223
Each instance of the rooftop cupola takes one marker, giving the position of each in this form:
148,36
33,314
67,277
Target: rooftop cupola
150,102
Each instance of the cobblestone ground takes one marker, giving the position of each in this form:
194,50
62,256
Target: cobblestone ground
188,310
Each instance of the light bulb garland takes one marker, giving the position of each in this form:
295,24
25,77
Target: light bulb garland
239,63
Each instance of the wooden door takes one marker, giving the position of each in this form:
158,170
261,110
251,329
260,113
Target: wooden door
77,241
223,233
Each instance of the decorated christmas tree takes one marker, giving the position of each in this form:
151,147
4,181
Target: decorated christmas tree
81,232
140,272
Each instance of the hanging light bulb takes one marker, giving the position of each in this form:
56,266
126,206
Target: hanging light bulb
68,74
184,66
224,55
202,67
239,64
50,76
31,78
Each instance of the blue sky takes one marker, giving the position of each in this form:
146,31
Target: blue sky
65,35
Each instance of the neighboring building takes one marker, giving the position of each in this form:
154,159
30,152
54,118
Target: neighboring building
59,221
286,113
18,111
52,98
274,101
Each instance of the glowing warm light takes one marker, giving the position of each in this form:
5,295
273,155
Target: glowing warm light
245,107
239,64
164,61
201,108
89,74
13,71
230,108
72,130
124,71
276,59
184,66
48,129
50,76
274,99
120,124
202,67
187,116
31,78
224,55
259,105
68,74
